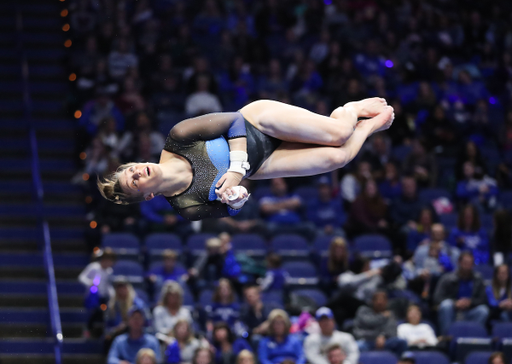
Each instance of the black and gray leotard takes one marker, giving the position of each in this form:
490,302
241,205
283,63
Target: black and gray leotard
203,142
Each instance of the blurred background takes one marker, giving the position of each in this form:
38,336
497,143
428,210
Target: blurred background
86,85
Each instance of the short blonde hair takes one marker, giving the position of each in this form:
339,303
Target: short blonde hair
110,188
145,352
275,314
170,287
245,354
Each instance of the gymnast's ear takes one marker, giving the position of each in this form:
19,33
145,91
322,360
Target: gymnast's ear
149,197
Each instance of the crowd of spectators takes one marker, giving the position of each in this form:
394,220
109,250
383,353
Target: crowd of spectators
432,185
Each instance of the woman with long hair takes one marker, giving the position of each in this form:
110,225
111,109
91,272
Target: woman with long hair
469,234
368,212
280,345
334,264
499,294
224,306
227,346
183,345
170,308
205,157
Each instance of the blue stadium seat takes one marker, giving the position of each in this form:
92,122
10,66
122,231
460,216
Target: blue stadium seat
315,294
502,330
429,357
307,193
301,273
466,338
272,297
429,194
373,246
377,357
188,299
122,243
505,199
321,245
133,271
401,152
262,191
449,221
290,246
158,264
478,357
485,270
196,244
157,243
205,297
249,244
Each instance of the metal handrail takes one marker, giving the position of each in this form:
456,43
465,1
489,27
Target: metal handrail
38,192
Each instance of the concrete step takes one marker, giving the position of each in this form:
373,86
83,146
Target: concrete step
40,300
49,359
27,330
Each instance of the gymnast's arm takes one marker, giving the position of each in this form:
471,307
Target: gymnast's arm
212,209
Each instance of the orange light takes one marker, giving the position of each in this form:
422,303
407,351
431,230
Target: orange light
64,13
93,224
65,27
88,199
78,114
68,43
72,77
83,155
85,176
103,307
62,1
96,249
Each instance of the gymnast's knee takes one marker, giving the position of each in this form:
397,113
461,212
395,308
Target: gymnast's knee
337,158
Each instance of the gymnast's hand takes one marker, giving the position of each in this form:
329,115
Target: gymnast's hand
228,180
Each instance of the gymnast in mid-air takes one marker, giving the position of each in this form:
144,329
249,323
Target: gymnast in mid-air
205,158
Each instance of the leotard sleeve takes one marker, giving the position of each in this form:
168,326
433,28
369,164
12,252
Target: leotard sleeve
212,209
209,126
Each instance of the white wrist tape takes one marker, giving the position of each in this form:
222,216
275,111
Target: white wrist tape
239,162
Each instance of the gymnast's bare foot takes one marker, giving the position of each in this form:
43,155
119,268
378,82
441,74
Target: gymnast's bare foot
368,108
380,122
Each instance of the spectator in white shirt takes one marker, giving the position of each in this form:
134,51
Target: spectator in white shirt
170,309
98,273
414,332
202,101
316,345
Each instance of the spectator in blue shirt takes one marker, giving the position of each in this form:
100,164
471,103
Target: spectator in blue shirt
421,232
126,346
326,212
280,345
406,208
499,294
168,271
390,188
275,278
477,188
95,111
224,306
227,345
161,217
469,235
283,211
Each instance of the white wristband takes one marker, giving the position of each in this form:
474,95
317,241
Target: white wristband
239,162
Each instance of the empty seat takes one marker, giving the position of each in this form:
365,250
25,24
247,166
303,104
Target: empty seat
321,245
377,357
307,193
301,273
430,194
131,270
290,245
478,357
122,243
429,357
196,244
157,243
373,246
466,338
315,294
502,330
272,297
250,244
448,220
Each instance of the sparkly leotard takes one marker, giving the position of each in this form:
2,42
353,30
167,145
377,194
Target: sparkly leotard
203,142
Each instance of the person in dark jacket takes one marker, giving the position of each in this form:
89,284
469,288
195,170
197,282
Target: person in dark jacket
227,345
462,292
254,312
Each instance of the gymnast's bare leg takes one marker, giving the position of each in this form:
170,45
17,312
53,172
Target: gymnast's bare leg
293,159
294,124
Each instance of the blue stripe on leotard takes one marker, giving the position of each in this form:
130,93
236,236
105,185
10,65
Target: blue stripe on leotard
218,152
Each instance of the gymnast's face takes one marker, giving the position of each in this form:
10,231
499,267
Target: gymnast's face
143,178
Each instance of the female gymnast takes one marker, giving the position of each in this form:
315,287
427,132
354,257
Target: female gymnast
206,157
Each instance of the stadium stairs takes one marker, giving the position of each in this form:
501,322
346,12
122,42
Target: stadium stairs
24,317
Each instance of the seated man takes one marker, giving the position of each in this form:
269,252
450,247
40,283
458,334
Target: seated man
335,354
254,312
326,212
168,271
316,345
375,327
125,347
282,211
462,291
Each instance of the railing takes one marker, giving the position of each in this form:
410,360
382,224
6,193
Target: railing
38,195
